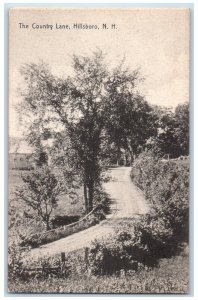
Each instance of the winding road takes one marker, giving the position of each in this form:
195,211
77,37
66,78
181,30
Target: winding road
127,201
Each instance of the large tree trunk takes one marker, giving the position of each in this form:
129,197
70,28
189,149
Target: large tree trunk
125,158
131,157
85,197
47,223
118,156
46,217
90,194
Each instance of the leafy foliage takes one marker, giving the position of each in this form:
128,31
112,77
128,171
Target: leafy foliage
83,121
156,235
20,269
172,136
122,251
182,127
15,262
139,245
40,191
166,186
129,118
170,276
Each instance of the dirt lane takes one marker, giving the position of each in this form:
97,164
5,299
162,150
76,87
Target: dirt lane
128,199
127,202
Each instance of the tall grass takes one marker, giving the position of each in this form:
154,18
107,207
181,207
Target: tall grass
171,277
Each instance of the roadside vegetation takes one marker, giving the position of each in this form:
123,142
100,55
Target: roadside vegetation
162,233
80,126
169,277
148,254
166,188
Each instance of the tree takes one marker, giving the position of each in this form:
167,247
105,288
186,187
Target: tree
166,140
172,130
40,192
182,127
75,104
84,114
130,121
85,123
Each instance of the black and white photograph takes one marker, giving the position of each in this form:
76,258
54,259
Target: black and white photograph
98,151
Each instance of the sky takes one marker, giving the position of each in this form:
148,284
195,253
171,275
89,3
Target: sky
156,40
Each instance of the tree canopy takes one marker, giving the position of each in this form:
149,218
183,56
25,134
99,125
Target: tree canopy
91,117
172,130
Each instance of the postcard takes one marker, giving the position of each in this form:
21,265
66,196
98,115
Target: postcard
98,151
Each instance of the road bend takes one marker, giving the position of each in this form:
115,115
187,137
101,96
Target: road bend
127,201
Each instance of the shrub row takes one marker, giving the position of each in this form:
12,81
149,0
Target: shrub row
170,277
23,268
166,187
144,240
139,244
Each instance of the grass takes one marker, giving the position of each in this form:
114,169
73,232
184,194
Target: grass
171,277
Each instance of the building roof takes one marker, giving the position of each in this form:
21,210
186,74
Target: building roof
17,145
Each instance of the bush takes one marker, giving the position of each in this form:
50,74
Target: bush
153,236
166,187
139,244
40,191
15,262
156,236
102,200
123,251
21,268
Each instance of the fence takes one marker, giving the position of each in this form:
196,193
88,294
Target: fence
55,234
62,268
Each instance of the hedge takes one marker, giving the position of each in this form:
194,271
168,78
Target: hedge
166,188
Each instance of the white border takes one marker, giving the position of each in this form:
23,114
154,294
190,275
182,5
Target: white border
3,125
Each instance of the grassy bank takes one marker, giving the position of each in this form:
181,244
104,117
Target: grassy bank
171,277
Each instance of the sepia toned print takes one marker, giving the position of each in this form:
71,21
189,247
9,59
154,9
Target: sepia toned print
98,151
